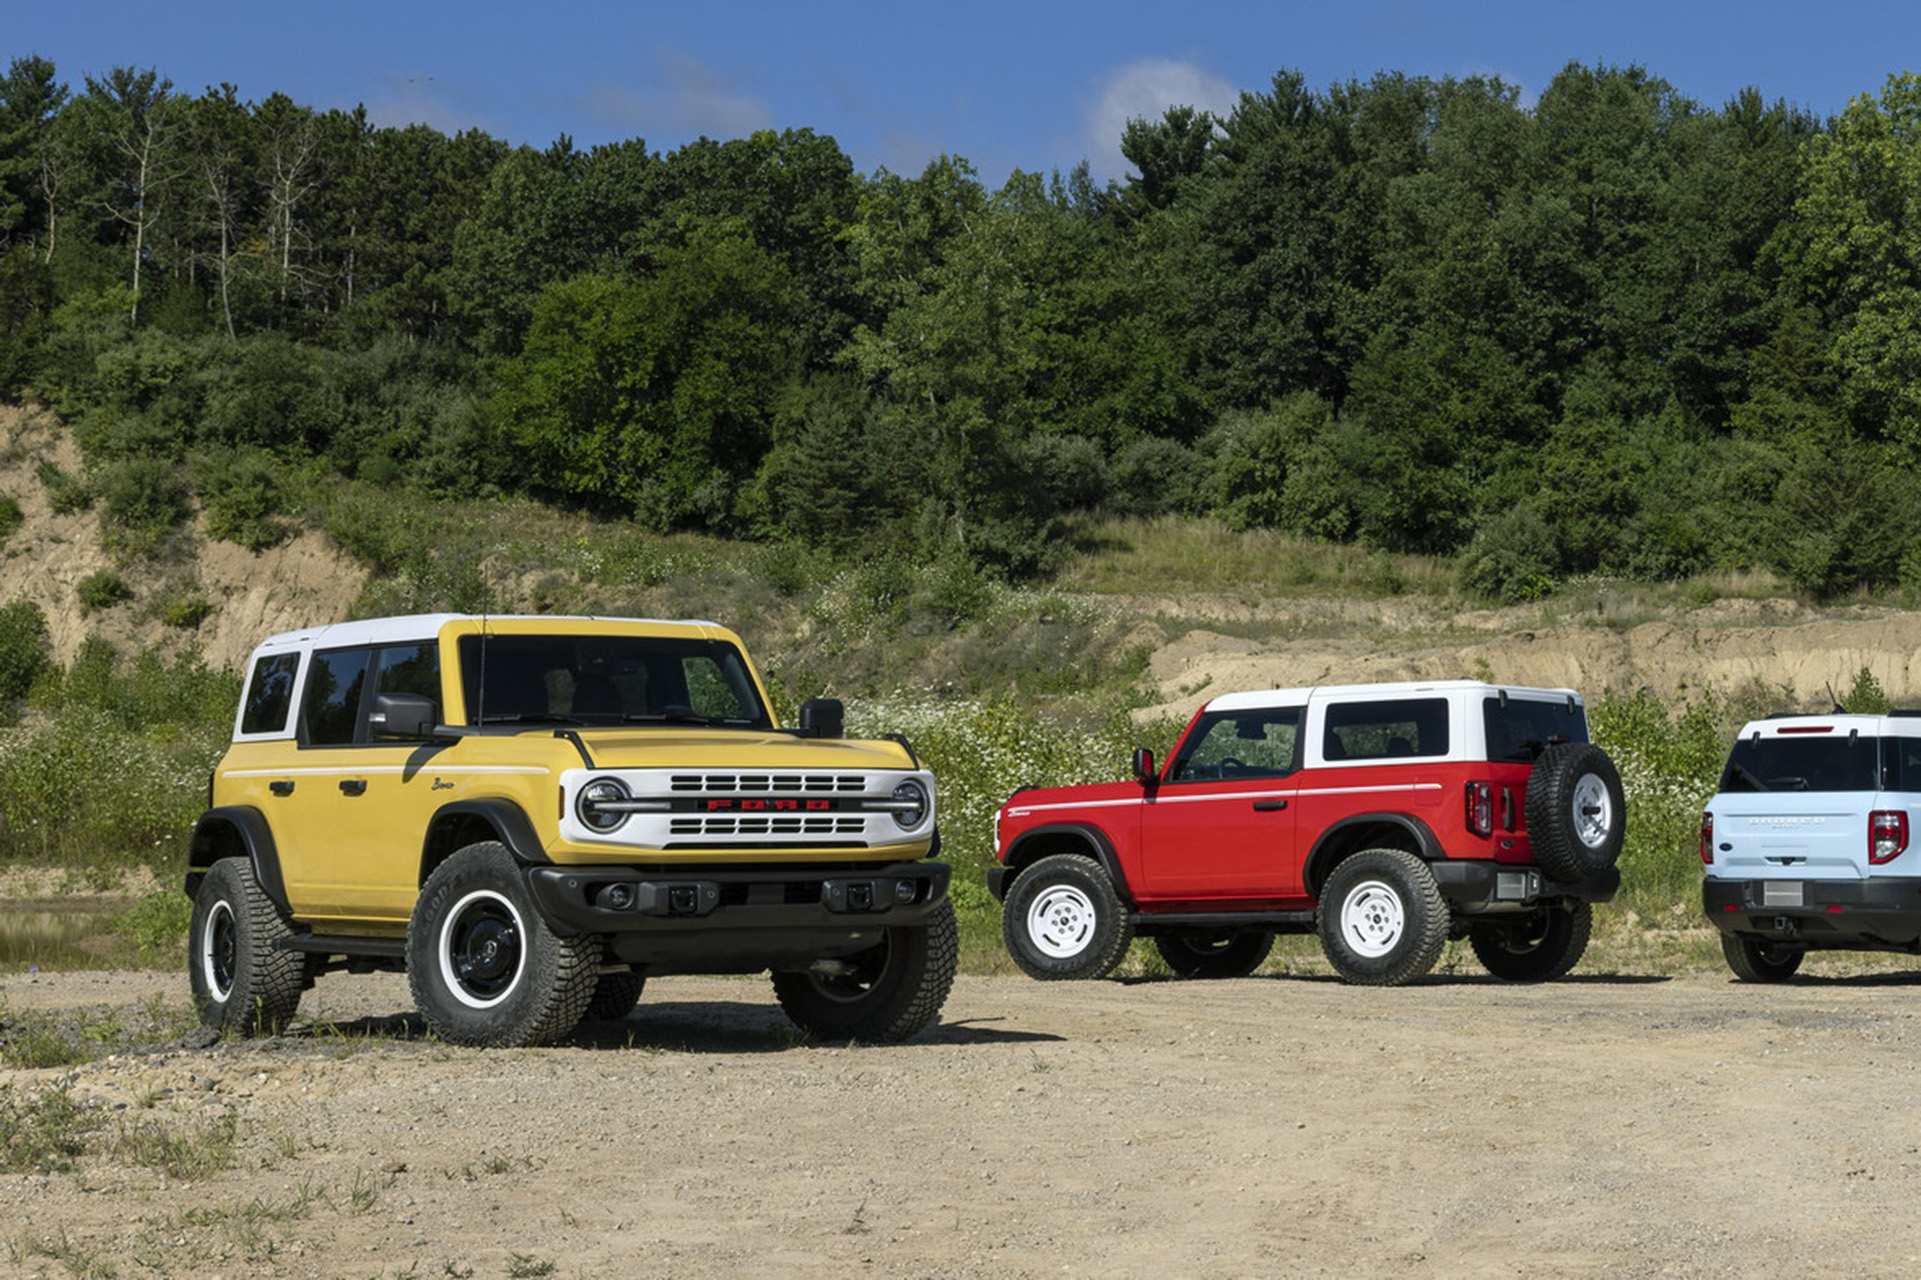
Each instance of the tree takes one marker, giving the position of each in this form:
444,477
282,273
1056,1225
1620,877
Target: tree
134,118
30,98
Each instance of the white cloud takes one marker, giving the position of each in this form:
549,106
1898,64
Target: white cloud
414,97
1145,90
684,99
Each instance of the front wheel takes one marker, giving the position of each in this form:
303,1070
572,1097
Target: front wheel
1540,948
1382,919
242,980
881,995
484,967
1214,955
1756,961
1062,919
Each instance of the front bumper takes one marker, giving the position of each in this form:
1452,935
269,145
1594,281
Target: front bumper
1474,885
736,920
1830,914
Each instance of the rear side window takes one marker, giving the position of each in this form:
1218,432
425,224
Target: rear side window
1520,731
1401,727
270,694
333,696
1846,763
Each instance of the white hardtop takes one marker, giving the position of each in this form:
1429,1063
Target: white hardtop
1838,725
425,626
1255,698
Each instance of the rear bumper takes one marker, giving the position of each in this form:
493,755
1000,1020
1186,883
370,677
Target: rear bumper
1479,885
1833,914
736,920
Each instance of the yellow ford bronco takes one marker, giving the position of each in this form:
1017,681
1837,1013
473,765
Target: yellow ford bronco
533,815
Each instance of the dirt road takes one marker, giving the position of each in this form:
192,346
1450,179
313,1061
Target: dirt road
1265,1126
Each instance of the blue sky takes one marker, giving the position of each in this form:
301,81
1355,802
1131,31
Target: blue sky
1034,85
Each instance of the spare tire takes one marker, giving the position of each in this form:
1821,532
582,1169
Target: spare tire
1575,811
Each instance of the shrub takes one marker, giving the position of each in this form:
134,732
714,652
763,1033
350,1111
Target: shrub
23,652
102,589
142,499
65,493
1511,559
240,493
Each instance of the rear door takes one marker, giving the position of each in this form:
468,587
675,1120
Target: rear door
1794,805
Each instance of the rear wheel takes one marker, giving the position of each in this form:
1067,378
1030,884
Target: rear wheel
881,995
1062,919
1538,948
1756,961
1214,955
242,981
1382,919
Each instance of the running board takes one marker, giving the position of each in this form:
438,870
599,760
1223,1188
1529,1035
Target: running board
323,944
1224,919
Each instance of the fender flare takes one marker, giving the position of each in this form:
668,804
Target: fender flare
509,822
1335,843
1087,833
231,831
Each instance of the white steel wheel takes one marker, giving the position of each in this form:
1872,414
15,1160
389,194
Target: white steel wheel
219,951
481,949
1061,921
1593,814
1373,918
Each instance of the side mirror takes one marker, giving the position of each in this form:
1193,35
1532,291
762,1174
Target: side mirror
823,718
1144,770
402,715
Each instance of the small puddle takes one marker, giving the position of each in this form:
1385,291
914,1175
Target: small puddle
42,932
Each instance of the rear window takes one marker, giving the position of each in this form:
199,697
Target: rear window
1386,729
1520,731
1850,762
270,694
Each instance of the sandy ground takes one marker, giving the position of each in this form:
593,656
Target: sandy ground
1272,1125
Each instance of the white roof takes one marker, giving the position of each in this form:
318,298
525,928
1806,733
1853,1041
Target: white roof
1392,689
425,626
1838,725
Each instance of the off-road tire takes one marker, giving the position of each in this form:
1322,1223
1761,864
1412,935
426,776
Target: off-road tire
1576,813
1382,919
1756,961
1538,948
1198,954
892,991
484,967
242,982
615,995
1063,920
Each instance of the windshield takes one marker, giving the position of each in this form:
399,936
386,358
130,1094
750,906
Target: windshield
1850,763
608,680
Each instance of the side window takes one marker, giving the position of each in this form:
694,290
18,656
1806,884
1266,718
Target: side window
270,694
1263,742
1385,730
334,685
411,668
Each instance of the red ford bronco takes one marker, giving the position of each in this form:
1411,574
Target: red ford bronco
1387,817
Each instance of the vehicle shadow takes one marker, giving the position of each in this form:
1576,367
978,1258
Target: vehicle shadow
1431,980
687,1026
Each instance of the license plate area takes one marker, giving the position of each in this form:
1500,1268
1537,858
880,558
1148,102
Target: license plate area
1783,893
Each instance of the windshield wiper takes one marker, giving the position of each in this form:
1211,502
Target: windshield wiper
539,719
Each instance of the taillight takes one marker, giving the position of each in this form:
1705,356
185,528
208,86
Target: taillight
1480,808
1887,834
1707,837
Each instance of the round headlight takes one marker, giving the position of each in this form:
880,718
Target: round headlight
910,792
592,796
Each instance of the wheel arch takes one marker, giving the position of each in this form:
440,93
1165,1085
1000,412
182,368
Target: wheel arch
1084,839
1351,835
237,831
463,822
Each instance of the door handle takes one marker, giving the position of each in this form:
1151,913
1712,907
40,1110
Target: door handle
1269,806
281,788
353,786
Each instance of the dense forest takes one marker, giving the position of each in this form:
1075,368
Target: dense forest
1614,331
